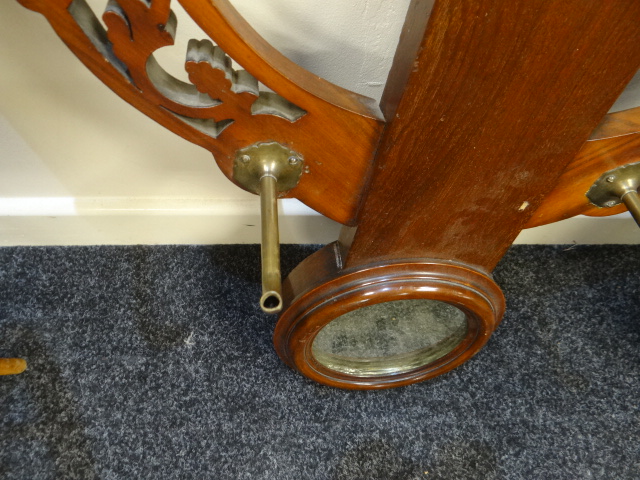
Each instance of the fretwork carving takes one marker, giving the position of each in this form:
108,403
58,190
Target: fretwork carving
220,96
220,108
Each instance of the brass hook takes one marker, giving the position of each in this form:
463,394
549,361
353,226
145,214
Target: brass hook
268,169
616,186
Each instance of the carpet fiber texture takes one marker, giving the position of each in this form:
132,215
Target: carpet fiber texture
156,363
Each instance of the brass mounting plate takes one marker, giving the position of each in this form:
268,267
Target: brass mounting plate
267,159
609,189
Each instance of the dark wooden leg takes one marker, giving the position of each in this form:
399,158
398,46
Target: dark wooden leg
486,104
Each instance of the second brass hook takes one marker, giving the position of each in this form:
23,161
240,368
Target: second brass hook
616,186
268,169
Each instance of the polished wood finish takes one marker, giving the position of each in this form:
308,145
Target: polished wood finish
487,107
615,142
568,197
500,99
320,290
336,135
218,112
12,366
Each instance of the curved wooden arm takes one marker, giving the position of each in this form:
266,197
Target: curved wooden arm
223,110
615,142
222,22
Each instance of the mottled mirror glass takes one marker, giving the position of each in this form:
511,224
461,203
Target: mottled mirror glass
390,338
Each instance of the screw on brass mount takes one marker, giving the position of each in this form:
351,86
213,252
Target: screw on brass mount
616,186
268,169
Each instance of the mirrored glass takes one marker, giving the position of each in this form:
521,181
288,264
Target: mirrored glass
390,338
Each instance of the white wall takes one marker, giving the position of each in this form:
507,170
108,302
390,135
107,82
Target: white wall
80,166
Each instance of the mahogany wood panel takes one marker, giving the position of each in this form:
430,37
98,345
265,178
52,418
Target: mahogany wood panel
222,110
500,98
615,142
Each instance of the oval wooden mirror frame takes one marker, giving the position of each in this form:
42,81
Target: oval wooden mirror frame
343,291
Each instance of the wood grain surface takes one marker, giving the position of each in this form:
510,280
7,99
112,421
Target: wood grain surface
615,142
500,98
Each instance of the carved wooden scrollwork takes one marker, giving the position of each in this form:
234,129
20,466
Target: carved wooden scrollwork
223,109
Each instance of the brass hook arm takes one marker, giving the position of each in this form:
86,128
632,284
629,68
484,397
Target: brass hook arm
268,169
271,299
616,186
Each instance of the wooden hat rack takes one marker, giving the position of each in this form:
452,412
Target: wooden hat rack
494,119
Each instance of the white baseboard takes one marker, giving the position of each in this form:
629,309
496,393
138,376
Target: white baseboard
154,221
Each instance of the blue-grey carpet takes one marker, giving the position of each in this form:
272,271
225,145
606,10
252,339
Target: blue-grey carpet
156,363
